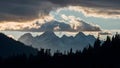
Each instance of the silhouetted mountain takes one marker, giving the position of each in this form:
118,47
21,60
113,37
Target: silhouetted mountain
106,55
47,40
48,35
50,41
67,40
28,38
10,47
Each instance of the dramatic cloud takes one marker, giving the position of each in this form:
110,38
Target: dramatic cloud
48,23
95,12
70,24
25,10
17,26
95,8
25,25
79,25
53,26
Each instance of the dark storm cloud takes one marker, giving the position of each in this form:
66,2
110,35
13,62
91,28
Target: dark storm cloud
23,10
20,10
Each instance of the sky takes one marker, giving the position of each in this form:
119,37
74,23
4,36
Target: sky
73,16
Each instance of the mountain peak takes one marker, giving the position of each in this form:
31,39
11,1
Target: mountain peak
90,36
10,47
64,36
28,38
67,37
50,40
27,35
80,34
49,33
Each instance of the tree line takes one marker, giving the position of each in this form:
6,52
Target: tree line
102,55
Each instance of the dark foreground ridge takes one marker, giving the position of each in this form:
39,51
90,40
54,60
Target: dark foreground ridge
106,55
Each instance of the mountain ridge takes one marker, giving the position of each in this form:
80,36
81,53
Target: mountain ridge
51,41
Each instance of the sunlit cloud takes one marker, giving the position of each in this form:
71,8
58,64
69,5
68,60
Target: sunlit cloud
35,14
24,25
80,25
94,12
68,23
48,23
16,26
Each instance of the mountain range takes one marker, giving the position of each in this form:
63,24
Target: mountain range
10,47
49,40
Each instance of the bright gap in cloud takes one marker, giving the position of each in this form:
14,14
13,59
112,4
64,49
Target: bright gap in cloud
93,12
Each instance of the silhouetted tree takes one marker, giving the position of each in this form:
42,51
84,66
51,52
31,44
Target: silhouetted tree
97,43
106,55
107,42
